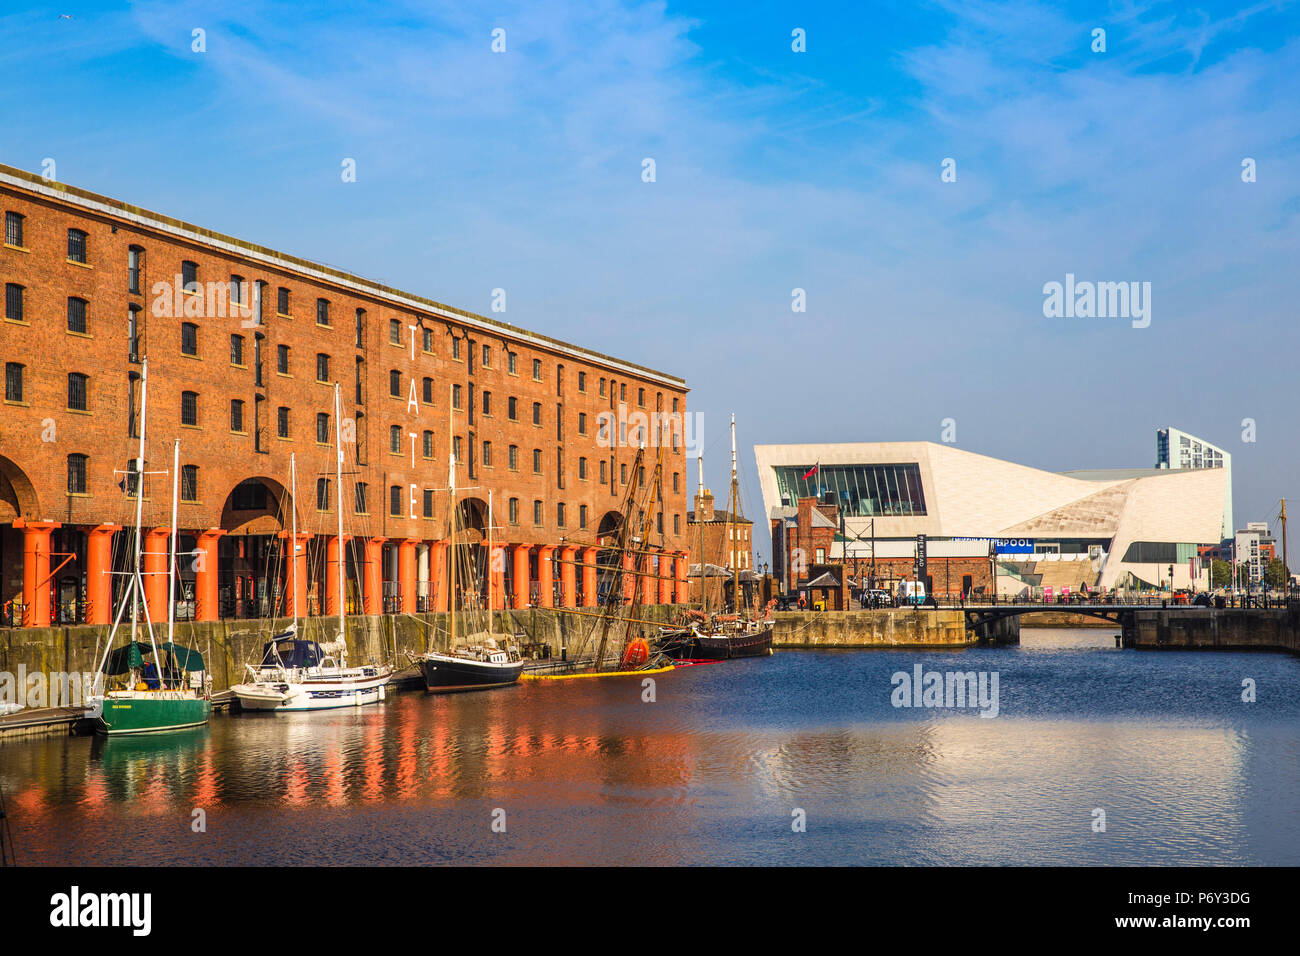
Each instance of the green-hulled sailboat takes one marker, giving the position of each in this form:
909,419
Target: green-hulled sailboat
159,686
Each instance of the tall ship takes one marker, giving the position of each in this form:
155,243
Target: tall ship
142,686
739,632
295,674
480,662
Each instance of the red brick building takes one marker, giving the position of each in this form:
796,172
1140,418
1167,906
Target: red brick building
244,346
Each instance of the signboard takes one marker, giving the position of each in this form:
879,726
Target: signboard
1007,545
1047,594
920,557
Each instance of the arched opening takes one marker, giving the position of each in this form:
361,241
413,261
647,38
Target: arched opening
470,552
252,568
17,500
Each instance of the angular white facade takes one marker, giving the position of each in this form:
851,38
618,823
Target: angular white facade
1137,522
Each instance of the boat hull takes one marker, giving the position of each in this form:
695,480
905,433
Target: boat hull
312,694
146,714
722,647
445,674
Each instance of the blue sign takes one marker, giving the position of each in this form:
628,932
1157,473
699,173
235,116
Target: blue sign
1013,545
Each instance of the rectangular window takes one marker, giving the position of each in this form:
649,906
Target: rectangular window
537,461
427,335
282,421
322,494
395,501
395,439
13,229
282,359
189,276
236,350
189,338
282,301
537,513
395,331
512,406
76,391
236,415
361,328
13,302
322,367
487,454
133,256
487,356
237,290
322,311
76,474
361,497
559,514
537,413
514,457
428,391
13,382
582,381
537,369
189,408
189,482
455,397
582,517
487,403
582,423
428,503
428,444
76,245
514,511
395,383
323,427
510,362
582,468
77,315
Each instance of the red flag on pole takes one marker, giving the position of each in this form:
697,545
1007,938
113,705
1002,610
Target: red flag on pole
812,471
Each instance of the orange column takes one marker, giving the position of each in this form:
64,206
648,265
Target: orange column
99,580
683,585
406,567
629,578
36,571
497,558
568,579
295,578
647,582
438,569
590,597
334,553
520,575
374,576
665,578
156,546
545,576
205,575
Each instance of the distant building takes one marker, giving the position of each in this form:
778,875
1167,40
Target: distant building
720,541
864,505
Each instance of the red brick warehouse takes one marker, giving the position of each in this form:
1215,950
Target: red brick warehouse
244,346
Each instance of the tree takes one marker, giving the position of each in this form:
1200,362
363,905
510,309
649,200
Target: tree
1220,573
1275,574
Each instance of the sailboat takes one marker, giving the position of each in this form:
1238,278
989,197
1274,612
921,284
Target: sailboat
723,636
297,674
480,664
156,695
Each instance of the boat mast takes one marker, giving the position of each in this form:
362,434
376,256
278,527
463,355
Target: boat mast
731,520
491,567
699,527
171,563
338,481
451,491
293,546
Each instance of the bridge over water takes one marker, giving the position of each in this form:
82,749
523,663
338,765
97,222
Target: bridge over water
984,619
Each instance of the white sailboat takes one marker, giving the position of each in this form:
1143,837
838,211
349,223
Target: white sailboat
297,674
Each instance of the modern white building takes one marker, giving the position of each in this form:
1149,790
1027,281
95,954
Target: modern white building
1179,450
1132,526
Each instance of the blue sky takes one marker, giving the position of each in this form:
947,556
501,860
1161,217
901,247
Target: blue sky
775,170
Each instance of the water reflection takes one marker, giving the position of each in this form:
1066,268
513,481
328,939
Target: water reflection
711,772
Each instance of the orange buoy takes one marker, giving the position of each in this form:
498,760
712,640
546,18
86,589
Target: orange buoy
636,654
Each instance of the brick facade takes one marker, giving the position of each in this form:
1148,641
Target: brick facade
710,530
397,360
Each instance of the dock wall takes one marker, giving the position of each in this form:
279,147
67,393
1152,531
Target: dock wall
886,627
